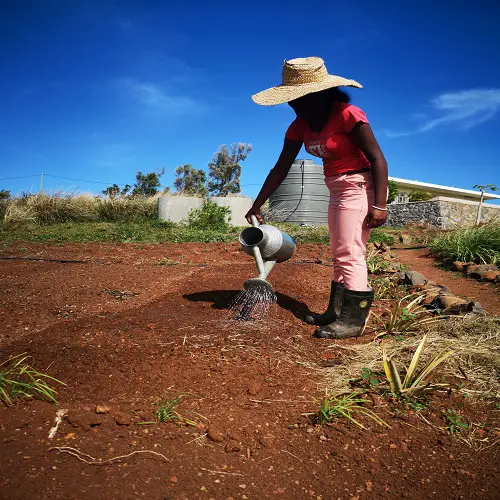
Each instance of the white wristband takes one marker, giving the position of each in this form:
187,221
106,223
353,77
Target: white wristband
378,208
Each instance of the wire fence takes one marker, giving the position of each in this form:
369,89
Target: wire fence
43,175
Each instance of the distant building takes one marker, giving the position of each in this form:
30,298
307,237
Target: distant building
406,187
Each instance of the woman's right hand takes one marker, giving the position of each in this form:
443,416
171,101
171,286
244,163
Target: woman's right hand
255,210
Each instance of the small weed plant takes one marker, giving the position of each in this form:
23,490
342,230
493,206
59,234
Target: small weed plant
384,288
209,216
347,406
370,378
416,381
166,411
19,379
407,315
455,422
166,261
375,263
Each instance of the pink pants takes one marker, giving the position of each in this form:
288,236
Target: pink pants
351,197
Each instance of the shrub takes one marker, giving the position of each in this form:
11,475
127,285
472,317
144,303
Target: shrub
211,216
479,244
420,196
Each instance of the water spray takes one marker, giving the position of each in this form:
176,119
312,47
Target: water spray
268,245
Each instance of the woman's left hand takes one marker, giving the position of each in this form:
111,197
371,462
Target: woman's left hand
376,218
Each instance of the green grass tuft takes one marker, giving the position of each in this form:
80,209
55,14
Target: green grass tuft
19,379
479,244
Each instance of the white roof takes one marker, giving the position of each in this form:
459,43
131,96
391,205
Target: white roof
444,189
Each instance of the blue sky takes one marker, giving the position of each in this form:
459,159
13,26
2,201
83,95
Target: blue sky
97,90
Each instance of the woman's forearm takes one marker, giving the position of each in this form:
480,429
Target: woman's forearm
380,181
279,172
272,182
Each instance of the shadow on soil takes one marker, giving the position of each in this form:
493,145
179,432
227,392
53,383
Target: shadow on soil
222,299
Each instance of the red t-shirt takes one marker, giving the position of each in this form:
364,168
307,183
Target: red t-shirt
333,144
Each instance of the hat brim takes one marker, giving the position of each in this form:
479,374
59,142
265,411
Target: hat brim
287,93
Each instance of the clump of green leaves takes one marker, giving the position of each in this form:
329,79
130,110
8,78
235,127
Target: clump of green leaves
455,422
369,377
19,379
416,380
384,287
375,263
346,406
210,216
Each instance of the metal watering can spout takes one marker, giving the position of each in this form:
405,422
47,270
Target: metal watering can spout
268,245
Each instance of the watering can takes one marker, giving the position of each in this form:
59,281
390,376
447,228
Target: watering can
267,245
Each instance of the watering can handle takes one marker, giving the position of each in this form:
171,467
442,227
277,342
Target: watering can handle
255,222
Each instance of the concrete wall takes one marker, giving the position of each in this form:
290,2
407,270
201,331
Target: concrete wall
442,212
177,208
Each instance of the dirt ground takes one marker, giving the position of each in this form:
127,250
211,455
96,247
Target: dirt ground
126,325
486,293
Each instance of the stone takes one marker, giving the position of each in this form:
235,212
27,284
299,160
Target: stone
232,446
476,308
429,298
477,271
446,301
85,421
461,308
491,275
411,278
253,388
122,419
102,409
458,266
215,435
267,440
235,434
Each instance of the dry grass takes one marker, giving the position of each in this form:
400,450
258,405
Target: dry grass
49,208
475,341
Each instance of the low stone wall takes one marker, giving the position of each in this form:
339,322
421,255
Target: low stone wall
441,212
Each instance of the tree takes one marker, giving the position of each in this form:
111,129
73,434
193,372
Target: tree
190,180
147,184
4,194
483,188
114,191
393,191
420,196
225,169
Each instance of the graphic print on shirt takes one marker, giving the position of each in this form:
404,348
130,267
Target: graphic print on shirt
319,149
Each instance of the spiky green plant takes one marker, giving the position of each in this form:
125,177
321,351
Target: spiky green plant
19,379
406,317
416,380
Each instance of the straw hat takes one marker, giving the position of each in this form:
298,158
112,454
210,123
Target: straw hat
300,77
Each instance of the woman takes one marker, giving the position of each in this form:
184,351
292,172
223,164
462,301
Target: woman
355,173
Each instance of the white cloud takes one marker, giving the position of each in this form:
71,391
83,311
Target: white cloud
464,109
159,100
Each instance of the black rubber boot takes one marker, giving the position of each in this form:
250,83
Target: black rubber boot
353,315
333,309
